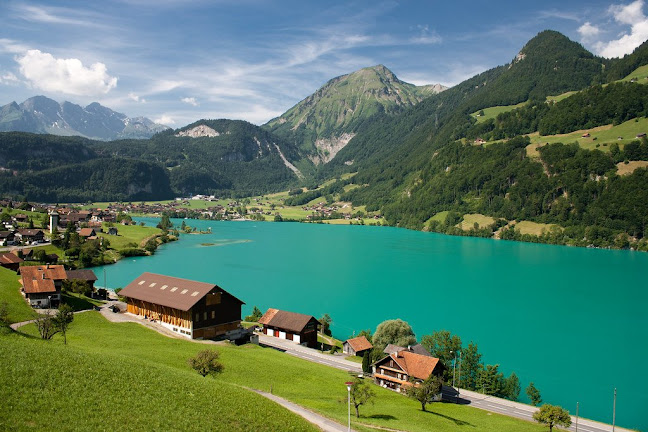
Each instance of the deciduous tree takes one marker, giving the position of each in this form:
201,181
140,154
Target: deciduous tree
326,321
397,332
63,319
46,325
552,415
443,345
361,394
426,391
471,365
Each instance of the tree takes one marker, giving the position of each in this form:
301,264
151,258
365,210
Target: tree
46,325
63,319
426,391
165,223
491,380
326,324
552,415
366,333
471,365
254,317
396,332
206,363
534,394
511,387
443,345
366,362
361,394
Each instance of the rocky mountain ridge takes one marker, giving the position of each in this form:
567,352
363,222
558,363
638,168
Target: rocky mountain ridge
41,114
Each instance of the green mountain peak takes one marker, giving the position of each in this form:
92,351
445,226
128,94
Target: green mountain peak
324,122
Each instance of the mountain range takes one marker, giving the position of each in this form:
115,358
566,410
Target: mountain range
424,156
40,114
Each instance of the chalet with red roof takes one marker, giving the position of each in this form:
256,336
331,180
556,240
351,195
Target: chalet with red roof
41,285
299,328
356,346
87,232
401,368
196,310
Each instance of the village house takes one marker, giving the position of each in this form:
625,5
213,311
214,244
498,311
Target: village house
405,368
196,310
10,261
27,235
86,276
299,328
41,285
87,233
356,346
7,238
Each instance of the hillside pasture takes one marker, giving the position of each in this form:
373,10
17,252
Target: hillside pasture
143,356
492,112
640,74
469,221
18,308
630,167
533,228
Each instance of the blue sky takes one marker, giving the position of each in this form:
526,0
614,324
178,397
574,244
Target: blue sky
176,61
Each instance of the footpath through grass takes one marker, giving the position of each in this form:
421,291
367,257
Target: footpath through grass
130,346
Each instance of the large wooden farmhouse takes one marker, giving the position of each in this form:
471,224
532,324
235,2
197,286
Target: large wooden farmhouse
399,369
193,309
296,327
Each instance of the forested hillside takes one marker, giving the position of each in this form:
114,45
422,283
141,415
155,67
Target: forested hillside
424,162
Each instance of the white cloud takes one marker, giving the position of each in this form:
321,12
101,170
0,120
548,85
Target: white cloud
9,79
136,98
425,36
190,100
164,119
11,46
632,15
48,73
588,31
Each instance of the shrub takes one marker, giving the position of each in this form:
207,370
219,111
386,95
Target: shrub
206,363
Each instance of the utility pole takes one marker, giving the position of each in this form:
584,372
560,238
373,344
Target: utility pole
614,411
576,416
459,378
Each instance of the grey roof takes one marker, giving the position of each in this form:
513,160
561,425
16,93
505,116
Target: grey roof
169,291
417,349
86,275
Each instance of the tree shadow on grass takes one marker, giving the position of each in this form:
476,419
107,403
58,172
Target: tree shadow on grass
452,419
382,417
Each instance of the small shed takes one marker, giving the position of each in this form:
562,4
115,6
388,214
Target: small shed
299,328
356,346
87,232
10,261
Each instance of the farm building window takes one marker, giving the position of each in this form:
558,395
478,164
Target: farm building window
204,315
197,317
213,314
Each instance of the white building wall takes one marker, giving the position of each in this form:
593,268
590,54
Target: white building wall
270,332
297,339
282,334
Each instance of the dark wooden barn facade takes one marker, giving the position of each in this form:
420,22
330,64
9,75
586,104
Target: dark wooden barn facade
196,310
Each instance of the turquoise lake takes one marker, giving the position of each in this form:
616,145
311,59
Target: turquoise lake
572,320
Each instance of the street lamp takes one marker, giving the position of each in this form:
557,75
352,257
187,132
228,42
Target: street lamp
349,384
454,367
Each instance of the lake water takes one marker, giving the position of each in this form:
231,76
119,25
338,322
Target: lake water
574,321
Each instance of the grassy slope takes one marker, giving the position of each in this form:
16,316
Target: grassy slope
492,112
129,234
64,388
602,135
19,310
314,386
469,221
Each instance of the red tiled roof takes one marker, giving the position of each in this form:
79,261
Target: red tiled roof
295,322
9,258
87,232
416,365
359,343
34,286
54,272
169,291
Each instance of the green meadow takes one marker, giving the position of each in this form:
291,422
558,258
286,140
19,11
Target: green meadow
126,367
17,307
